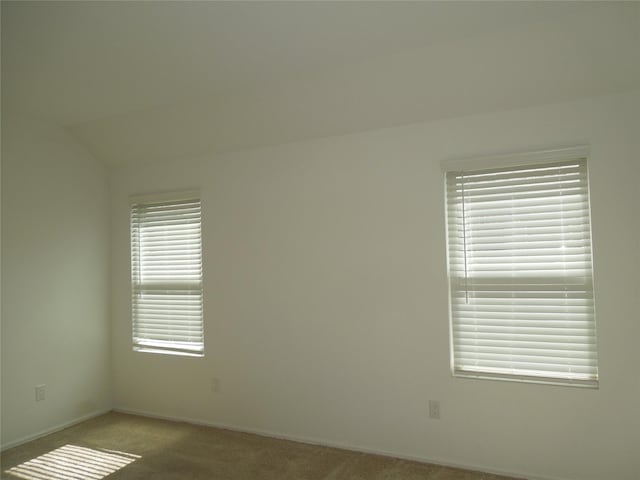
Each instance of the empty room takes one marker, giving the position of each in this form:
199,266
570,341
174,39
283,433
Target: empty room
320,240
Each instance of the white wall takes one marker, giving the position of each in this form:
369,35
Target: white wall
55,271
326,298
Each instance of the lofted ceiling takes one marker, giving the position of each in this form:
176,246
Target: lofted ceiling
152,81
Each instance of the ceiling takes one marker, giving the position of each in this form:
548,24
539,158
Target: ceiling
153,81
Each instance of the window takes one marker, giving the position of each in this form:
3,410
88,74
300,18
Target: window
166,273
520,275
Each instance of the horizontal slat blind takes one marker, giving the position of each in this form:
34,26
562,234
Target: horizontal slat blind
521,286
166,267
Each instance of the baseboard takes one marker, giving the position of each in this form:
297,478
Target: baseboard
332,444
54,429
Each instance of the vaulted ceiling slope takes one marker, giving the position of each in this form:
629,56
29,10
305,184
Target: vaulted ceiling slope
147,81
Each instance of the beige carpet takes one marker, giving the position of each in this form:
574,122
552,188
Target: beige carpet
128,447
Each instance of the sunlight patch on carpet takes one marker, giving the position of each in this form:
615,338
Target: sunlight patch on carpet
73,463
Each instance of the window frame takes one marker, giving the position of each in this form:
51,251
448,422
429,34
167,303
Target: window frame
516,161
176,295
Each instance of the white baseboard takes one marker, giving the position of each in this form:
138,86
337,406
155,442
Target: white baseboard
328,443
53,429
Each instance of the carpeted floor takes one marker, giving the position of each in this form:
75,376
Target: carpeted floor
127,447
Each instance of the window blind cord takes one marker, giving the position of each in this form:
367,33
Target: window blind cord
464,243
137,278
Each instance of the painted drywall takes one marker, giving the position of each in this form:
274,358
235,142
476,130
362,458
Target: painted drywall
326,298
592,52
55,280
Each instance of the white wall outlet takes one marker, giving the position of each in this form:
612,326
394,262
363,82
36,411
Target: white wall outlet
40,392
215,384
434,409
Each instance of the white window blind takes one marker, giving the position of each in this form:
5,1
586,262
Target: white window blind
166,270
521,285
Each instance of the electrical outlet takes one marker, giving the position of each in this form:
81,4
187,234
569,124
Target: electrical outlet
40,392
434,409
215,384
